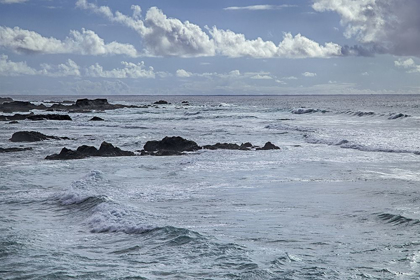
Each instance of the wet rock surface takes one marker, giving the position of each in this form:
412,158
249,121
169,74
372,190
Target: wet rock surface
32,136
105,150
174,145
34,117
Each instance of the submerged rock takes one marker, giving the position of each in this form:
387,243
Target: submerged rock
32,136
106,150
12,150
96,119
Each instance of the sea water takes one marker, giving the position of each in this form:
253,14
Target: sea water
340,200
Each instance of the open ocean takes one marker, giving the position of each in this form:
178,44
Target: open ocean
340,200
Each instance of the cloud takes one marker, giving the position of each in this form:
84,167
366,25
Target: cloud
104,87
130,70
181,73
12,1
259,7
232,44
408,64
70,68
10,68
85,42
309,74
289,78
387,26
261,77
163,36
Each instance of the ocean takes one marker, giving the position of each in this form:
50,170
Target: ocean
339,200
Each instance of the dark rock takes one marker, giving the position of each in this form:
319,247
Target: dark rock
106,150
229,146
174,143
20,106
13,122
88,151
100,102
66,154
33,117
161,102
31,136
54,117
11,150
96,119
269,146
223,146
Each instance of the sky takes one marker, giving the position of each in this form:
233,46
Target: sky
229,47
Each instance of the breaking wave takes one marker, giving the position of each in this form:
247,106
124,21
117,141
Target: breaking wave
300,111
101,214
398,219
345,144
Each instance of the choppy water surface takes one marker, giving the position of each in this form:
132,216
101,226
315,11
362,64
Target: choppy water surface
340,200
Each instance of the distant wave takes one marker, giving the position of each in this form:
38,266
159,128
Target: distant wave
397,116
390,116
191,113
300,111
398,219
287,127
345,144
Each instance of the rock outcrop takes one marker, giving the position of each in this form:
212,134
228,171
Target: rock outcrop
33,117
32,136
229,146
106,150
174,145
269,146
20,106
161,102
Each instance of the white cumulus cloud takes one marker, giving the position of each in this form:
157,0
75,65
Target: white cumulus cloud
130,70
10,68
85,42
71,68
181,73
387,26
408,64
309,74
164,36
